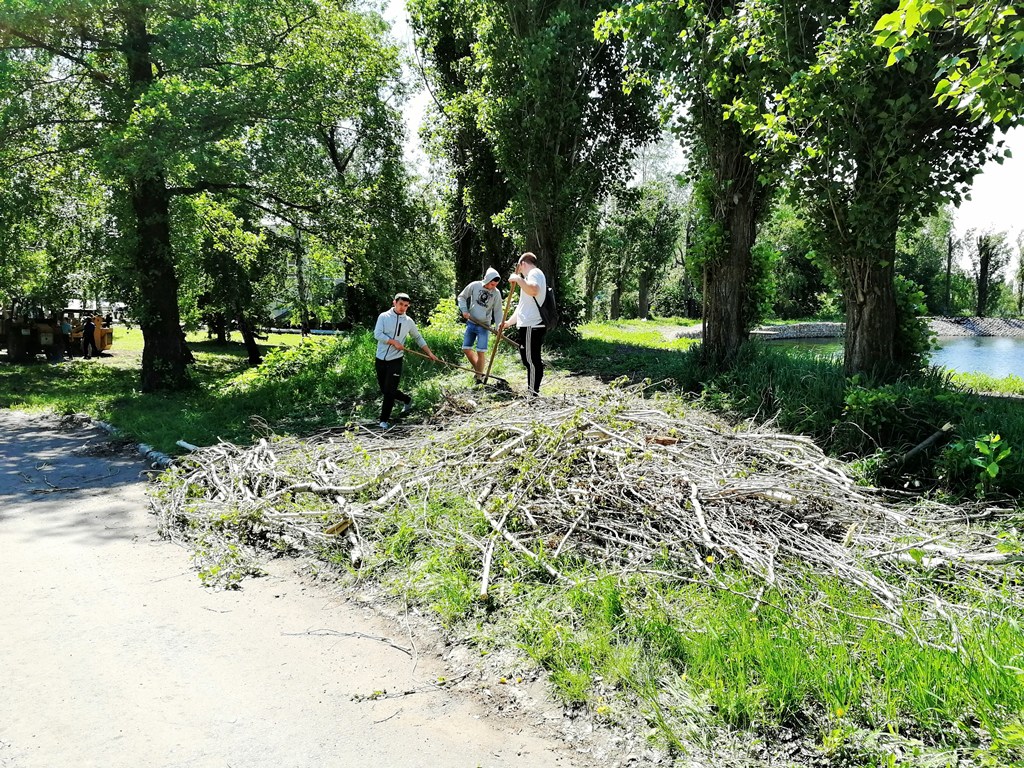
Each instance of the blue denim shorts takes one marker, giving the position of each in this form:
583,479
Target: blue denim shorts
475,332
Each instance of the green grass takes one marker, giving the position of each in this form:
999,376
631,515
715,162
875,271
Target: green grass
638,324
691,656
331,382
780,666
301,387
803,390
980,382
819,658
638,333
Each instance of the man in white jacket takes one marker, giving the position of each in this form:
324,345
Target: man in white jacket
480,305
392,329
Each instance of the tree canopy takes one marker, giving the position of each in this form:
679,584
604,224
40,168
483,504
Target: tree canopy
550,106
252,101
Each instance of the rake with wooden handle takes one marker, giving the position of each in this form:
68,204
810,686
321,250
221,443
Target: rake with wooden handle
500,334
445,363
496,332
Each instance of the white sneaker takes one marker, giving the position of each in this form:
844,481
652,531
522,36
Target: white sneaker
406,407
385,425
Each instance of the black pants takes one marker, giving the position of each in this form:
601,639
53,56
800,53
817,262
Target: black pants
530,342
389,374
89,343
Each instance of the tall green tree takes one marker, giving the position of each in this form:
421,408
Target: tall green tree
237,273
800,280
594,264
923,255
707,60
1018,277
562,123
53,230
661,217
651,221
477,191
871,151
990,254
167,100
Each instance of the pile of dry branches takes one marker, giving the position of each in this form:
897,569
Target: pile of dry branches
613,479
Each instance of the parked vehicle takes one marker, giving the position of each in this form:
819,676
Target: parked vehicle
26,332
104,334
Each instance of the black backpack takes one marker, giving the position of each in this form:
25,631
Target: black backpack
548,310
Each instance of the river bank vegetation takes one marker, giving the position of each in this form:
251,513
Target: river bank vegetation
305,384
708,582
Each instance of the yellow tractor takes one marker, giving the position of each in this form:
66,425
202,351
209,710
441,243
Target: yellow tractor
103,334
27,332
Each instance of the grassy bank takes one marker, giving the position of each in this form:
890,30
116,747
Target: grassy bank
804,392
980,382
303,385
329,381
691,653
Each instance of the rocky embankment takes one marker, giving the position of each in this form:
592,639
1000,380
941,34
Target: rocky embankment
941,326
977,326
800,331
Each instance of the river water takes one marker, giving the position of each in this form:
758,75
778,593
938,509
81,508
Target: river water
993,355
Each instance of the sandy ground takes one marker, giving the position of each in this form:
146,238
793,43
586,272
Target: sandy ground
112,654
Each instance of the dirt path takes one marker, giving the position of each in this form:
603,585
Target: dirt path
112,654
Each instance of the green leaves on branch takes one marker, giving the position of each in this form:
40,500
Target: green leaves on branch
981,73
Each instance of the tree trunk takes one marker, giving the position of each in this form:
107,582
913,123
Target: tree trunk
949,274
164,354
726,326
984,264
870,341
249,339
543,242
615,302
221,327
593,272
644,300
738,198
302,294
464,236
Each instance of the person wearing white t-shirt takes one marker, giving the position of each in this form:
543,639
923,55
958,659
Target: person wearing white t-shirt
533,288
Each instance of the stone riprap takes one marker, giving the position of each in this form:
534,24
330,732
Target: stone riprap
941,326
800,331
977,326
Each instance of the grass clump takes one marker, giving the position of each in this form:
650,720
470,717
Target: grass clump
695,657
983,383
